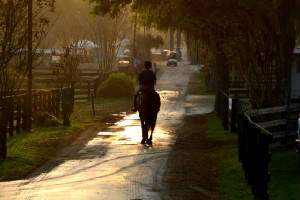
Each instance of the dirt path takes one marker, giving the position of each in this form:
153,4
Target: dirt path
191,170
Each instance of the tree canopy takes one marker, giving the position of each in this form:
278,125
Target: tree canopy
257,38
14,38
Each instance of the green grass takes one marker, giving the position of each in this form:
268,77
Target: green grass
111,100
27,151
233,185
216,130
103,107
284,169
202,89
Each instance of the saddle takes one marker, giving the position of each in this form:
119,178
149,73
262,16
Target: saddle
148,100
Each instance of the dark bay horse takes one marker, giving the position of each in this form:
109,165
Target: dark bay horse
148,105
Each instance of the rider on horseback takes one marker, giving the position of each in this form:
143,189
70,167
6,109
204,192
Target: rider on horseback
147,80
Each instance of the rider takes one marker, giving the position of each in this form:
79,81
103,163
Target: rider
147,80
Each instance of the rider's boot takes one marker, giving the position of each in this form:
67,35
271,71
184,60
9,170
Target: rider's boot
134,109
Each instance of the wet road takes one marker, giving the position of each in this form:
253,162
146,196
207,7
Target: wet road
113,165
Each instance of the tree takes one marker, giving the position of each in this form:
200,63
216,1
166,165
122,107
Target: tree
14,51
67,71
108,34
255,50
13,42
144,43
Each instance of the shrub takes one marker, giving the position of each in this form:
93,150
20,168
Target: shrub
117,85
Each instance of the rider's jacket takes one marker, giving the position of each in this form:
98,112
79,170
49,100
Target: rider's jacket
146,79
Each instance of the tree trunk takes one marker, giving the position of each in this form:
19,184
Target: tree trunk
285,47
172,39
222,77
29,100
178,45
3,130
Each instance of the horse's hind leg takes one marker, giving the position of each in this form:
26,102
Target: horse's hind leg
152,125
152,129
144,138
146,129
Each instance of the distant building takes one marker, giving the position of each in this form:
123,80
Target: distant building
123,48
86,49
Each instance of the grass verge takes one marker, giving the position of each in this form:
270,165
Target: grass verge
28,151
233,185
200,86
284,168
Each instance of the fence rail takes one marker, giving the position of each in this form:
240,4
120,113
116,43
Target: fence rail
46,77
254,139
227,107
257,129
87,83
13,112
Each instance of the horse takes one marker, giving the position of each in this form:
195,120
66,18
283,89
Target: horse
148,105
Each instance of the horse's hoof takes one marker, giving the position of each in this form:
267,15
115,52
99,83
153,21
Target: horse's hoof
143,141
149,142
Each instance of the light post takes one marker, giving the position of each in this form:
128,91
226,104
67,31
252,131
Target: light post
29,68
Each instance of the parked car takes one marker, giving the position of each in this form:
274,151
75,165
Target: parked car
172,62
124,64
124,60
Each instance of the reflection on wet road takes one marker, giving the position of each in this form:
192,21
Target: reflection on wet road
113,165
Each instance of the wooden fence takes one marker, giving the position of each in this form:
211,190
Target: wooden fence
256,131
227,107
13,112
45,77
89,79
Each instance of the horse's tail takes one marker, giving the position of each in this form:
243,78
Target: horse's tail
157,101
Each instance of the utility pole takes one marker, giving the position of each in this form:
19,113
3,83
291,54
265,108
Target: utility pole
171,39
29,68
178,41
178,45
134,36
